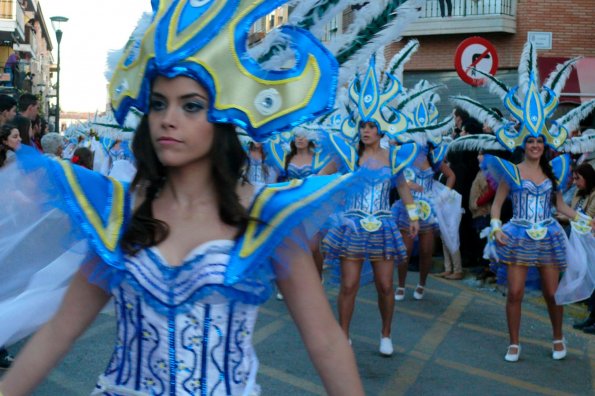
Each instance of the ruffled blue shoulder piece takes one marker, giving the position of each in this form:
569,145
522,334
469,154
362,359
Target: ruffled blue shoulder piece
344,151
282,209
561,167
438,155
99,205
499,168
275,154
402,156
320,159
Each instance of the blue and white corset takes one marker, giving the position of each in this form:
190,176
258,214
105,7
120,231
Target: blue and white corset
532,207
120,154
259,173
181,331
424,178
371,206
298,172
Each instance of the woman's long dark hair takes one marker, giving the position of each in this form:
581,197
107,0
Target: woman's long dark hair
361,147
265,168
5,131
226,168
23,124
588,173
293,152
546,168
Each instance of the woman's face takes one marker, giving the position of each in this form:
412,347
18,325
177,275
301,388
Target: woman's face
13,141
9,114
180,131
579,181
301,142
369,133
534,148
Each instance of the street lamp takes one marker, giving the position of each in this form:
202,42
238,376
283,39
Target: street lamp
57,24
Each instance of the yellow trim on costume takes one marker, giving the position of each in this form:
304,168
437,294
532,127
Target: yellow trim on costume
396,168
564,162
208,16
516,177
252,241
109,235
350,161
310,64
319,160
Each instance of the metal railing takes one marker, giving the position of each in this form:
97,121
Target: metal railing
461,8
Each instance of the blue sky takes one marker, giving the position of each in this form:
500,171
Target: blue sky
94,28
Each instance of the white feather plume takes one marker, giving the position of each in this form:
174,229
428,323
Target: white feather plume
406,14
527,65
477,142
401,58
580,144
114,56
479,111
557,79
571,120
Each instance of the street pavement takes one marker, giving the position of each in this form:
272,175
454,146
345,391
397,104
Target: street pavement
450,343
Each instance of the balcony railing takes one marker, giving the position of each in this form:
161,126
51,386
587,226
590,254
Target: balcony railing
470,7
12,18
465,16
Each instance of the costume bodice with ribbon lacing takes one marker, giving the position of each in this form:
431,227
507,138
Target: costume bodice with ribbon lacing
180,329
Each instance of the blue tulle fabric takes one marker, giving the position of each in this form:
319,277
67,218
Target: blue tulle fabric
291,215
45,239
522,250
351,241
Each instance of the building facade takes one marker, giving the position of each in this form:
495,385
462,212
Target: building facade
25,51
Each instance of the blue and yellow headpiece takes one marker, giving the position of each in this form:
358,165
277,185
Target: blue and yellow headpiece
207,41
532,114
373,105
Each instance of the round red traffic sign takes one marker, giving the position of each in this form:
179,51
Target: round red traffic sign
475,53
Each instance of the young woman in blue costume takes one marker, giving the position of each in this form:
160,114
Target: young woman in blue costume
301,162
257,170
367,230
533,238
426,131
189,267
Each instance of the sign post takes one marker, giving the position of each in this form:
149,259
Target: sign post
475,53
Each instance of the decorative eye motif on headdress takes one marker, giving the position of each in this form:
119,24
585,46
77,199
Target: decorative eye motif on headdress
207,40
532,115
372,105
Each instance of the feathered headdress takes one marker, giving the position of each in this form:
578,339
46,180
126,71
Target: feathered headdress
530,105
285,80
208,41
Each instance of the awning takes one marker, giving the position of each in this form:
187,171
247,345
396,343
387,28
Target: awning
580,86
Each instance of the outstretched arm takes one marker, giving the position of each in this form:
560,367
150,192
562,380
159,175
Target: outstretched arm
82,303
325,341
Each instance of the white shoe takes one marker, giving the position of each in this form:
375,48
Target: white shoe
417,295
513,357
400,294
386,346
559,355
279,296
